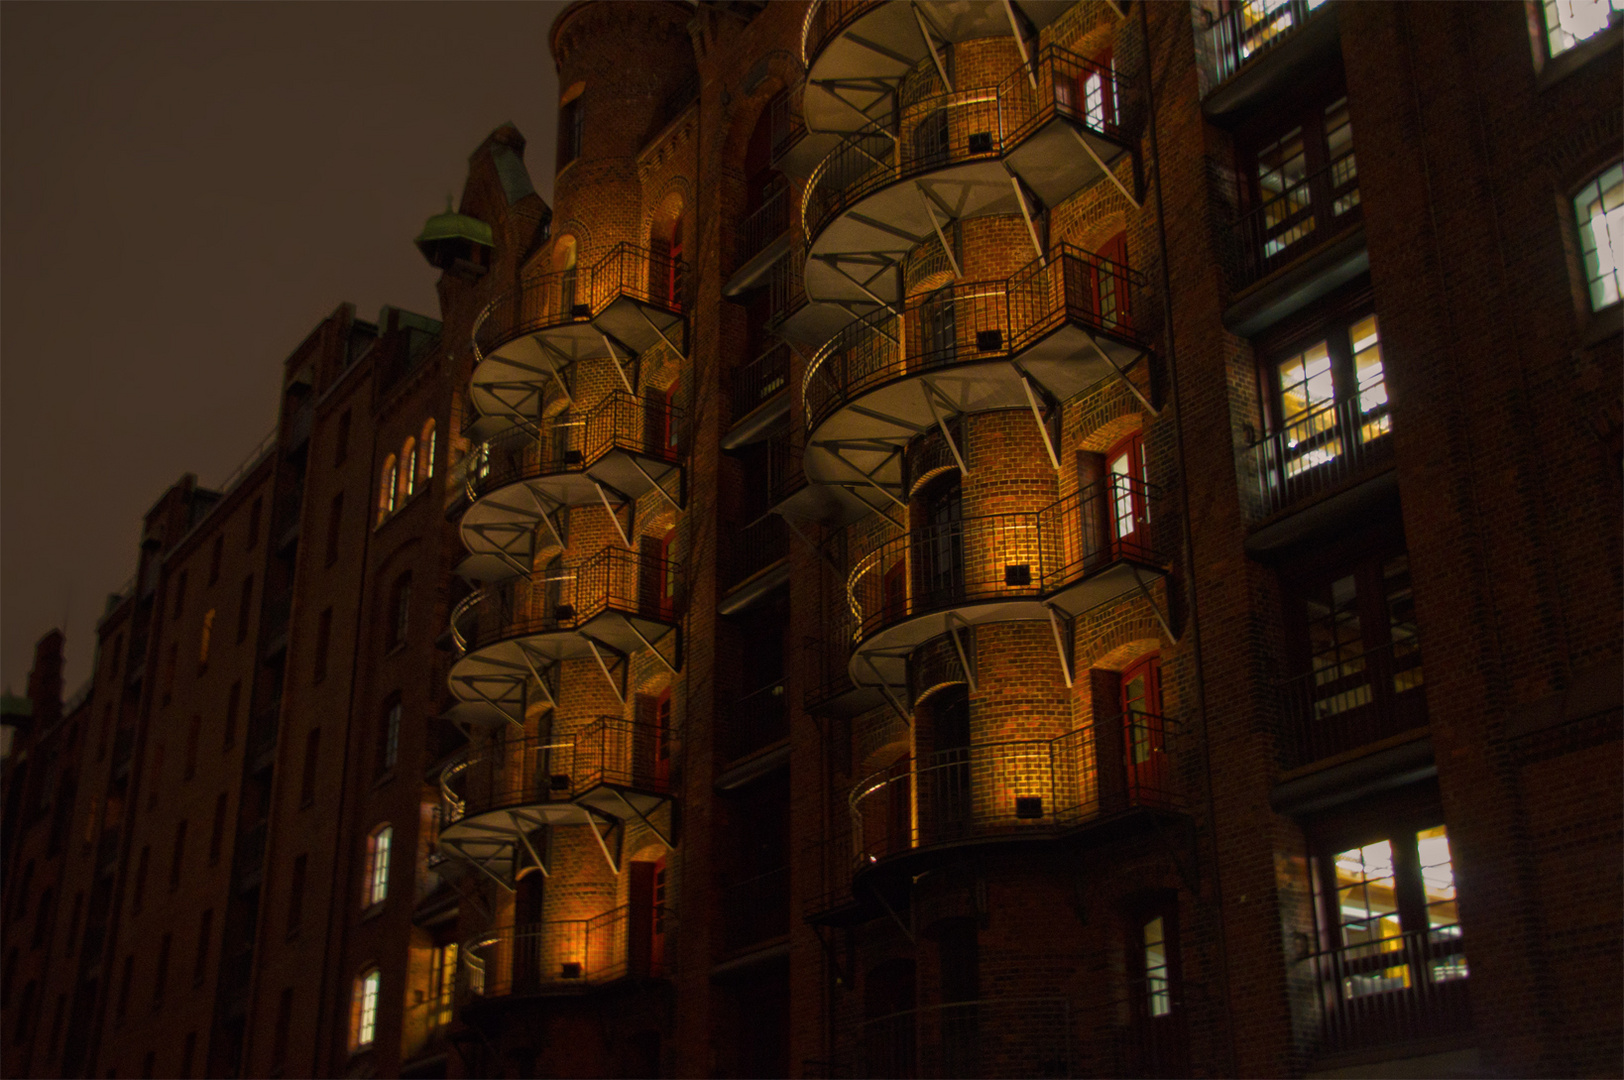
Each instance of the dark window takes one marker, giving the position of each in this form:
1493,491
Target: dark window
1300,177
160,980
180,595
938,544
205,931
124,986
253,523
138,894
307,780
571,126
156,781
217,835
73,923
215,557
188,1054
334,516
244,606
296,887
43,916
279,1039
57,1015
389,738
324,633
179,857
341,447
233,700
400,607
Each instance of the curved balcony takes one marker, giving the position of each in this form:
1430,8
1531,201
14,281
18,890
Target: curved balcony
605,608
625,447
565,956
856,51
496,794
896,183
1081,551
1060,325
526,339
1032,788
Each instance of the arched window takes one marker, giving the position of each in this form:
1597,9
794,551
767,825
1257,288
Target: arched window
408,469
375,889
386,489
564,255
425,459
665,244
364,1009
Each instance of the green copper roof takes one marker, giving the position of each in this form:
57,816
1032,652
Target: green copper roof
454,226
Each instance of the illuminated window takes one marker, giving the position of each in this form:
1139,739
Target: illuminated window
1330,396
1570,22
364,1010
426,459
204,638
1599,209
389,738
1158,989
386,488
408,469
377,883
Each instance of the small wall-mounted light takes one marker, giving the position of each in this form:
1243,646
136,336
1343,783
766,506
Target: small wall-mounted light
581,311
1029,806
989,340
571,970
1018,575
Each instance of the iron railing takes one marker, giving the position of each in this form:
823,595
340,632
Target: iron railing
1031,554
570,596
1014,788
507,773
766,223
1352,701
750,549
560,297
962,126
1318,451
826,18
760,380
647,426
825,669
833,857
756,909
974,322
1396,989
786,287
753,722
1287,224
1249,29
563,955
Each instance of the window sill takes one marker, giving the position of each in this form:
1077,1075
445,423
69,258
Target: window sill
370,912
1604,324
1557,68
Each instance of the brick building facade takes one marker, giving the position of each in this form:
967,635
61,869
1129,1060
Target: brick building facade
1024,538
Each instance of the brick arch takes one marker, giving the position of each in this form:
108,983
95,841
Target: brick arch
1105,432
544,259
1131,641
671,203
782,71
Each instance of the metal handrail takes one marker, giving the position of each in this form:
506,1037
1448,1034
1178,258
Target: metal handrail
959,126
1409,986
614,579
621,421
1249,29
1032,554
1013,788
1352,701
974,322
764,224
562,954
760,380
1317,451
560,297
753,721
506,773
825,18
1281,227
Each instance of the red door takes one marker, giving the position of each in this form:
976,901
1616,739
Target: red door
1142,733
1089,94
668,421
1125,480
673,279
1110,280
645,918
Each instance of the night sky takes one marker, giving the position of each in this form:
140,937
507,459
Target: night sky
185,191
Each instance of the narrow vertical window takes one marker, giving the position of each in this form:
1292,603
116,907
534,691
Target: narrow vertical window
188,1053
400,608
205,637
194,732
160,981
364,1010
1158,988
124,979
253,523
408,470
1599,210
279,1038
179,857
324,633
428,451
217,835
233,700
386,488
139,893
156,781
296,887
389,738
377,883
335,515
214,558
570,128
245,604
205,932
180,595
307,781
